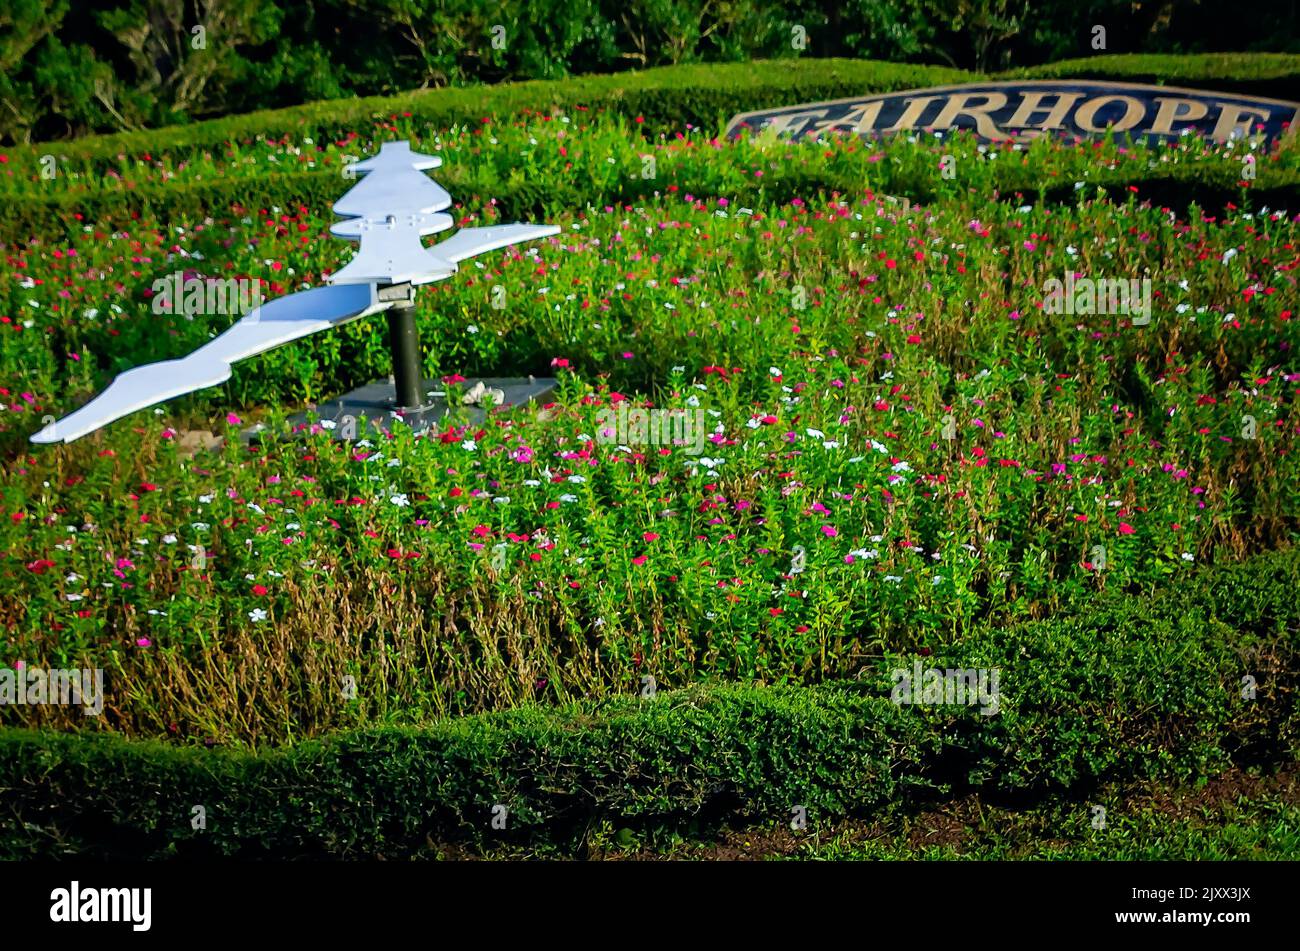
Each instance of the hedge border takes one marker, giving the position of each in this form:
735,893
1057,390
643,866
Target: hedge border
1096,705
695,93
667,96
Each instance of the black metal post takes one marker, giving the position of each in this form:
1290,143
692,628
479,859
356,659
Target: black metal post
404,342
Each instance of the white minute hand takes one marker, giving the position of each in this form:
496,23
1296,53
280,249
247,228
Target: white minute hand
269,325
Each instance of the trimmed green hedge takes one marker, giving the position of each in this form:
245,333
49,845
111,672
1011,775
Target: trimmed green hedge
671,96
1276,75
1170,185
1126,687
1167,184
667,97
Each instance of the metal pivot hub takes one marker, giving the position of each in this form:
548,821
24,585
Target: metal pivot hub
404,344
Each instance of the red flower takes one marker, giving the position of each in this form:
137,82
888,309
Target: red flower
259,590
1126,529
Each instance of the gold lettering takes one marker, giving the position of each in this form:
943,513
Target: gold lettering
1230,120
912,114
1087,114
1033,102
862,118
1177,110
959,104
792,122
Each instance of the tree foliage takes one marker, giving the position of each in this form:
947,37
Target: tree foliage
124,64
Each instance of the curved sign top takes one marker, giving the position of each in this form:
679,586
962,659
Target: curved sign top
998,111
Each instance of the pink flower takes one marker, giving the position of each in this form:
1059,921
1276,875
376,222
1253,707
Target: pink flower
829,531
232,419
1126,529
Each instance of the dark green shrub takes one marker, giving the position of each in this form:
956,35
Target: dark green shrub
1133,686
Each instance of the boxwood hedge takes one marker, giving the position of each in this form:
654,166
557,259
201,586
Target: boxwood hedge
1276,75
1124,687
667,97
672,96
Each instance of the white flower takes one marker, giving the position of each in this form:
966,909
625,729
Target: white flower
469,445
257,615
400,500
204,499
74,597
169,539
72,578
1188,556
774,371
816,434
